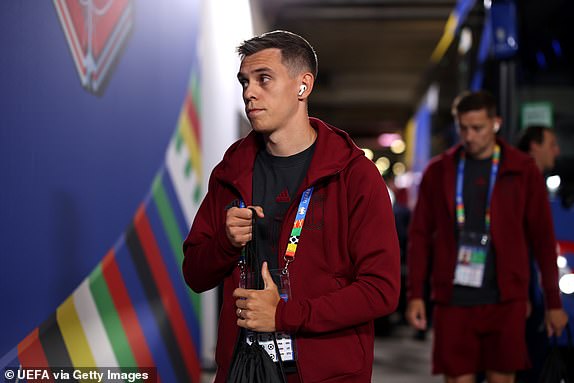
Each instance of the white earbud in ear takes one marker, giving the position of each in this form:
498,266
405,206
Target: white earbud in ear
496,127
302,89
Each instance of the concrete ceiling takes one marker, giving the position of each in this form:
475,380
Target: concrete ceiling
373,56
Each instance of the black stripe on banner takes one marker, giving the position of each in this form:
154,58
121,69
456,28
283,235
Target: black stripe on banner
156,305
54,347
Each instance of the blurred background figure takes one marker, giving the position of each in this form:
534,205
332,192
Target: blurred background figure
539,142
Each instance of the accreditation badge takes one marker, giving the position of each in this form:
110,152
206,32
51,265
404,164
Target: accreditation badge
285,341
471,258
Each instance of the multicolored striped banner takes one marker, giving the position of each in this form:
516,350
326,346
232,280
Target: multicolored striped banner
134,309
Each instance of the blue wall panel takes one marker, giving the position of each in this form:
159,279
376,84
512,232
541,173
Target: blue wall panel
74,166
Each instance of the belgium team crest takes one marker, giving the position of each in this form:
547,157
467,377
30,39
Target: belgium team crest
96,31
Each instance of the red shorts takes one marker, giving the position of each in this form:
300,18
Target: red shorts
479,338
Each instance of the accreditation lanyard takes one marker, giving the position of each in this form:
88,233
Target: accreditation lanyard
460,218
297,227
295,231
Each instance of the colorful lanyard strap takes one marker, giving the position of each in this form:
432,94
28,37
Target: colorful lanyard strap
297,227
295,232
459,186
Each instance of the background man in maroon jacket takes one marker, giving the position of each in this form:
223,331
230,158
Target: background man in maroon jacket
344,262
541,144
482,205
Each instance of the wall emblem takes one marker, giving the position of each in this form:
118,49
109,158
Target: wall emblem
96,31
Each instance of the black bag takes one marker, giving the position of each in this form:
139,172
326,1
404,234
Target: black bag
559,363
251,363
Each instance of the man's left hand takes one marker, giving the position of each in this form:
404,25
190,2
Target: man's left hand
556,320
256,308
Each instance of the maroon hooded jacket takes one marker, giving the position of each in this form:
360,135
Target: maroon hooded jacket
520,221
346,270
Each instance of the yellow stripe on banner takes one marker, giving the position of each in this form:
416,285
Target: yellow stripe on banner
291,247
190,141
446,39
74,336
411,143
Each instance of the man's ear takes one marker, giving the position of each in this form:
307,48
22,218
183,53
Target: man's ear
307,80
497,124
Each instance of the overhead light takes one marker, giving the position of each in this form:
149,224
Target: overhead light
398,146
386,139
382,163
368,153
557,48
566,283
465,41
553,183
399,168
561,262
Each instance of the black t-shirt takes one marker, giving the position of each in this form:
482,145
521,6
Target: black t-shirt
276,181
476,183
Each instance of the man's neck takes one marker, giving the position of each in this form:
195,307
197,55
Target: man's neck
487,153
284,144
539,165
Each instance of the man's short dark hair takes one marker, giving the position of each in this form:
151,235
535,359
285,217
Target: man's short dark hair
296,52
534,133
471,101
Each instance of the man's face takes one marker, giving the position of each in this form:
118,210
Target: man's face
477,133
269,91
545,153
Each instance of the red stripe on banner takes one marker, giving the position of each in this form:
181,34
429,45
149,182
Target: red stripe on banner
68,25
31,354
193,117
167,292
566,247
126,311
119,38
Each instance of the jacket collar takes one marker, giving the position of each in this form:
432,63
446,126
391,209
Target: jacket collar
511,161
334,150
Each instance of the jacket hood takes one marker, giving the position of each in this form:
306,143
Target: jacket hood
334,151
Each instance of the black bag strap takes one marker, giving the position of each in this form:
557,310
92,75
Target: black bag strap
253,263
252,257
279,359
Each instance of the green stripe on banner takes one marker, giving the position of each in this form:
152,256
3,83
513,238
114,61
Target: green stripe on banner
169,223
296,231
195,90
197,194
111,319
178,141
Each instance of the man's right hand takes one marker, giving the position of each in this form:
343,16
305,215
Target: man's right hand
416,314
238,224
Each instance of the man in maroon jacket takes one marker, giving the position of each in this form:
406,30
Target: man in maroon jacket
481,206
323,215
